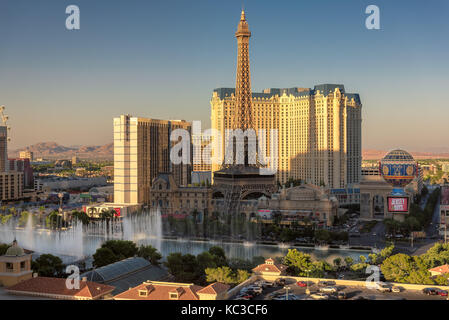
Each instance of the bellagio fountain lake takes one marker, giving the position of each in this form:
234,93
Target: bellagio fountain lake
79,242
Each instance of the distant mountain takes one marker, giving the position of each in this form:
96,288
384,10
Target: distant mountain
52,150
379,154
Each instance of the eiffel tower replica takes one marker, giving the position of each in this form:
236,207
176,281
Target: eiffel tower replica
241,181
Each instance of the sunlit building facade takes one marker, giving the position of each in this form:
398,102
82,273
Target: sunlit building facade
319,131
141,152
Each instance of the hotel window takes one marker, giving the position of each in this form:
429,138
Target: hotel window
143,293
173,295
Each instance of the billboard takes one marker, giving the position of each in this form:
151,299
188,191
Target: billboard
397,204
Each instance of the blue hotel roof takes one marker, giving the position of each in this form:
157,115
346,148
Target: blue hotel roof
295,91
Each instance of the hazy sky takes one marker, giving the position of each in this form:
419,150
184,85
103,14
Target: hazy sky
162,59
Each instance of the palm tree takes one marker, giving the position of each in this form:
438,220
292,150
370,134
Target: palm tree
337,263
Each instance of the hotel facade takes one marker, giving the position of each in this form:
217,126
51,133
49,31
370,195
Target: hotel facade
141,152
319,131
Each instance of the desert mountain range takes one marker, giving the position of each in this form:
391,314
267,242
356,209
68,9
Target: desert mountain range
53,150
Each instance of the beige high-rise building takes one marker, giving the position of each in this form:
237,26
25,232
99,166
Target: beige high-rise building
26,154
11,181
199,145
141,152
319,130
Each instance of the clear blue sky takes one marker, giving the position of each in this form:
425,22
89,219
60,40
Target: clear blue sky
162,59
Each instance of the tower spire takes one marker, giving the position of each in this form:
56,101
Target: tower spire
243,77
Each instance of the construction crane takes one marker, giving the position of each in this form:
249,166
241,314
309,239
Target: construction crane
5,119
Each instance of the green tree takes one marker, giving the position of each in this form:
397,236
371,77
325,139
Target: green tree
47,265
6,218
349,261
219,255
23,218
122,249
53,220
81,216
107,214
3,248
322,235
406,269
149,253
337,263
220,274
241,275
103,257
183,267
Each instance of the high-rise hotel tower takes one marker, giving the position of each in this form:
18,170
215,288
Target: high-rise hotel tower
141,152
319,129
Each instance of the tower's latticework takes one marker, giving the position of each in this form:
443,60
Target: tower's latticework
236,182
243,114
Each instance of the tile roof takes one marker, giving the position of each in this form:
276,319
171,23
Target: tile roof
161,291
215,288
57,286
270,266
442,269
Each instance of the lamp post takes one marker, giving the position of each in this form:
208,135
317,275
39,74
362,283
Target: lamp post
307,282
287,288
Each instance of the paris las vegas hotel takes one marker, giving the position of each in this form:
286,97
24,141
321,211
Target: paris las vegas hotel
319,133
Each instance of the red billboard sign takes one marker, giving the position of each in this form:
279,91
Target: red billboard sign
397,204
117,212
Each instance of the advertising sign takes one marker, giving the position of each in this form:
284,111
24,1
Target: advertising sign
117,212
397,204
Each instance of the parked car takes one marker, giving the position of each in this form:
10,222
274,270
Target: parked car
256,289
264,284
329,289
430,291
442,293
396,289
284,297
341,295
280,282
326,283
383,287
273,295
302,283
319,296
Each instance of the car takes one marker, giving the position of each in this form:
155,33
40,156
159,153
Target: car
247,292
442,293
273,295
430,291
326,283
302,283
257,290
329,289
280,282
341,295
284,297
319,296
396,289
264,284
360,298
383,287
